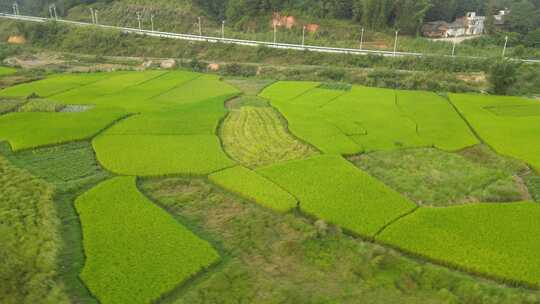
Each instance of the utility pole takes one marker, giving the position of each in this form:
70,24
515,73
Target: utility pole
223,29
454,45
275,33
54,11
362,39
304,35
200,27
152,21
395,43
93,16
15,8
505,44
139,20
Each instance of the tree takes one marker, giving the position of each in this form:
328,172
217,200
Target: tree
523,17
490,19
410,14
502,76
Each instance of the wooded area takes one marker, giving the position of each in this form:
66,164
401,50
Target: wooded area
405,15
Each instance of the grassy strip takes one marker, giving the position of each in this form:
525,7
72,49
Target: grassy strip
330,188
135,251
41,105
533,183
496,240
29,234
432,177
253,186
10,104
255,137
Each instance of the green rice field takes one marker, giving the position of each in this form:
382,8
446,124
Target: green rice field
4,71
508,124
135,246
154,171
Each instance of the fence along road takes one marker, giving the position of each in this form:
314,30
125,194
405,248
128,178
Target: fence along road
211,39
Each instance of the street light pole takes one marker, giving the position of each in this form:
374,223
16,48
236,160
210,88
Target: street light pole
139,20
93,16
275,33
152,21
395,43
362,39
54,11
96,16
304,35
505,44
223,29
200,27
454,45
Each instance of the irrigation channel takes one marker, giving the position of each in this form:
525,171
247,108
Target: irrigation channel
254,43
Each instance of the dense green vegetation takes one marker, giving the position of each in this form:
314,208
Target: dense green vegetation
340,21
505,123
435,178
72,169
330,188
9,104
135,251
41,105
256,136
274,258
30,248
498,240
253,186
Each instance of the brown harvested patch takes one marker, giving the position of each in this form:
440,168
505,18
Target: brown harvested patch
312,27
16,39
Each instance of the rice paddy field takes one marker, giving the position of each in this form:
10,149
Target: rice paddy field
180,187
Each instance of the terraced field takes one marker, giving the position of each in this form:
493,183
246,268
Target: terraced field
350,122
283,150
